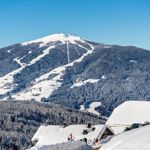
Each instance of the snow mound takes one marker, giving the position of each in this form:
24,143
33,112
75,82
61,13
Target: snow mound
78,145
137,139
128,113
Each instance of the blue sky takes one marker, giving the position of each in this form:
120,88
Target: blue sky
123,22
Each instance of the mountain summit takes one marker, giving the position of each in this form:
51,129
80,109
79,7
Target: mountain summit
69,70
61,37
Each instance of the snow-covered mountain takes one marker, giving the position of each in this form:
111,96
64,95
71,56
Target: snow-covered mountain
72,71
42,58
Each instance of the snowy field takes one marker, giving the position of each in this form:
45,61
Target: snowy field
64,146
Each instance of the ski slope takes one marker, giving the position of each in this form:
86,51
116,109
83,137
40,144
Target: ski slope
43,87
6,82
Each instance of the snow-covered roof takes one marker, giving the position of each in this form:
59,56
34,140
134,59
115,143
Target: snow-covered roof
54,134
137,139
128,113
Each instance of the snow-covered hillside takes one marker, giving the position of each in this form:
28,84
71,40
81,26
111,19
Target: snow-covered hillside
91,108
128,113
137,139
42,86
